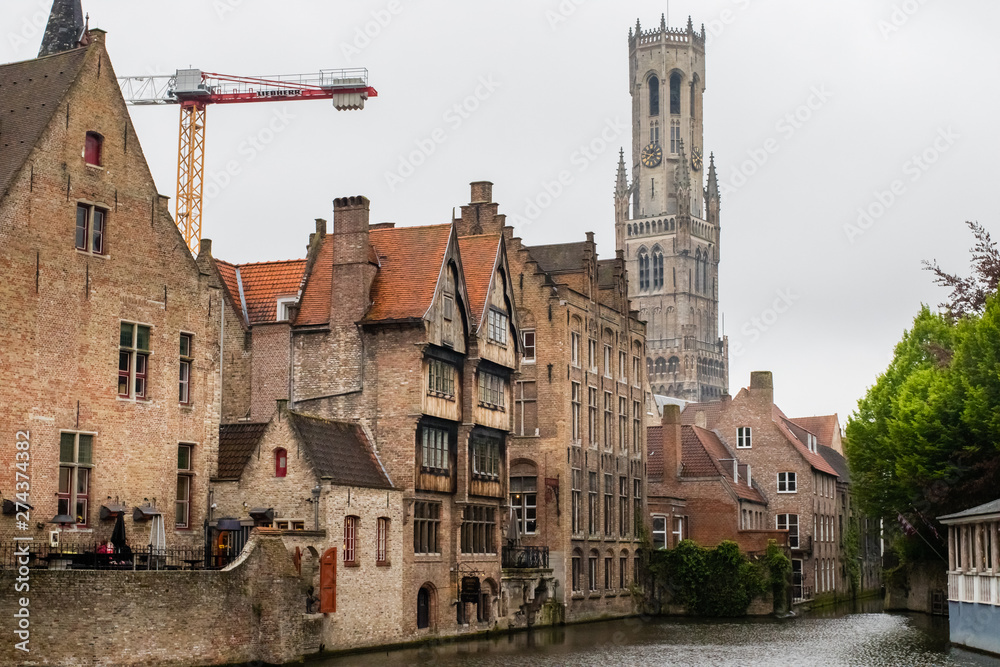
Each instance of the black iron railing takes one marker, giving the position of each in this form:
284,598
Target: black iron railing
525,557
92,556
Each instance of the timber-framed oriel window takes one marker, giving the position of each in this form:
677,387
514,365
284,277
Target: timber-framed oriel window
485,456
497,327
492,390
441,378
133,360
76,458
435,449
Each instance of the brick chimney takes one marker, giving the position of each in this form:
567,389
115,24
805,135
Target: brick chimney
480,215
762,387
352,274
672,448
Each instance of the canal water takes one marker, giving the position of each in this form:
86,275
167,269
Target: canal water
853,636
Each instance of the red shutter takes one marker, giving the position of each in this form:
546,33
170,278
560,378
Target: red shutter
92,149
328,582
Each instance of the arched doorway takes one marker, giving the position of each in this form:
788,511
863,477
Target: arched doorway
424,607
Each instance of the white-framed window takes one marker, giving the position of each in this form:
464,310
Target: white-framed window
623,367
592,355
448,307
574,347
492,390
678,529
789,522
524,500
744,439
592,572
659,531
607,361
498,327
285,304
811,442
787,482
528,341
592,416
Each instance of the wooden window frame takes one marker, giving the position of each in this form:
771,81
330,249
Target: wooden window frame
280,462
382,540
350,554
75,469
185,475
135,360
528,357
426,528
91,229
186,364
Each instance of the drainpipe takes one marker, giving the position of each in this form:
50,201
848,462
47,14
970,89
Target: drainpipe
315,500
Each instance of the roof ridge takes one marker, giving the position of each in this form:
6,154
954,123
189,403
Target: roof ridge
386,230
45,57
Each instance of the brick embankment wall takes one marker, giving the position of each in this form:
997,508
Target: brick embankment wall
250,612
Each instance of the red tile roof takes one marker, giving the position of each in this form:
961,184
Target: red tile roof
703,455
264,282
410,260
479,258
228,273
815,460
314,306
823,427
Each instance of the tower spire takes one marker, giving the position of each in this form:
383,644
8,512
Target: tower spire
621,183
712,191
65,29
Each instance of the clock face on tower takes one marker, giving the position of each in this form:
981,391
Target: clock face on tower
652,155
696,161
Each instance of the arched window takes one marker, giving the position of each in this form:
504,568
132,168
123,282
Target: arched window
643,269
704,277
673,365
657,267
280,462
675,94
92,149
661,365
649,366
654,96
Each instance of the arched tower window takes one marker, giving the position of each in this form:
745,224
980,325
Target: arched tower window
654,96
675,94
661,365
673,365
657,267
643,269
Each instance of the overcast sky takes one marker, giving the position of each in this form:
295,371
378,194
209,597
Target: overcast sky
815,111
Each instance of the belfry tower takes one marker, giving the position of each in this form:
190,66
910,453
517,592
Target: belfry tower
670,237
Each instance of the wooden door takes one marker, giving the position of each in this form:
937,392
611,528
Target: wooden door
328,582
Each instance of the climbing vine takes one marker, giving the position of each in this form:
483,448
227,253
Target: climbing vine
718,582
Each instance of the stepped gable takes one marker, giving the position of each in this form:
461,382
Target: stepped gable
30,94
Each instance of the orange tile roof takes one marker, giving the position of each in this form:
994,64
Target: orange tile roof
479,258
314,306
410,260
264,282
815,460
823,427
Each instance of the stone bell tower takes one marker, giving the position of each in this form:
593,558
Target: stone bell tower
670,237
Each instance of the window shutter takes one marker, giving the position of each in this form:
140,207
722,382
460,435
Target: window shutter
328,582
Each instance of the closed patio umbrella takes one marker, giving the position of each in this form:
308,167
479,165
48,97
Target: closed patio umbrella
513,529
118,533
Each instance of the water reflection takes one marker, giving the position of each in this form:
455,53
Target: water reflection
856,635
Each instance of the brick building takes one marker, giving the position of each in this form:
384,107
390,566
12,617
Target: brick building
700,490
110,326
579,448
319,484
797,482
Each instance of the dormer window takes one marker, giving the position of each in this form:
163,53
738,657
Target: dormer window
285,308
92,149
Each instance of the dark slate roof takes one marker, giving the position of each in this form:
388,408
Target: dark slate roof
340,451
559,257
836,461
30,93
992,507
606,273
64,29
236,443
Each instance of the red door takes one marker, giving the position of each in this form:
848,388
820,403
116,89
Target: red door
328,582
